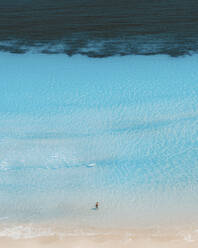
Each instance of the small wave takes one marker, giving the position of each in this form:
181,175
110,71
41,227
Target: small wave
31,231
54,163
91,165
25,232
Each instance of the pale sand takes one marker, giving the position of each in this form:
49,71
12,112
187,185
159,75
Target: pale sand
114,240
88,243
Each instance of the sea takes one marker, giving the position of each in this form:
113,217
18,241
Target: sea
98,103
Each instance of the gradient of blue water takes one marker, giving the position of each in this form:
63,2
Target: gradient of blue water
119,130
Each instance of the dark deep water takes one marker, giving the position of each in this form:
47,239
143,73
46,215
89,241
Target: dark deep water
99,28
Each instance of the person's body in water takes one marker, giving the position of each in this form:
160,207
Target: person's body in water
97,205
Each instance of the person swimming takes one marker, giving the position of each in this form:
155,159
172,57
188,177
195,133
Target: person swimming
97,205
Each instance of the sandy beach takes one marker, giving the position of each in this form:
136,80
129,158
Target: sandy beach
107,238
95,242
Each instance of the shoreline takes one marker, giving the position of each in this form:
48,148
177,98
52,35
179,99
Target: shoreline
100,238
119,240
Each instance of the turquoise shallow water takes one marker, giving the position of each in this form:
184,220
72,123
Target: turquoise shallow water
119,130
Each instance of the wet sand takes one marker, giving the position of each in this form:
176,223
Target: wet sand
89,243
116,239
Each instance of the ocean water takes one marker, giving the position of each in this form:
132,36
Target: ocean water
80,122
119,130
